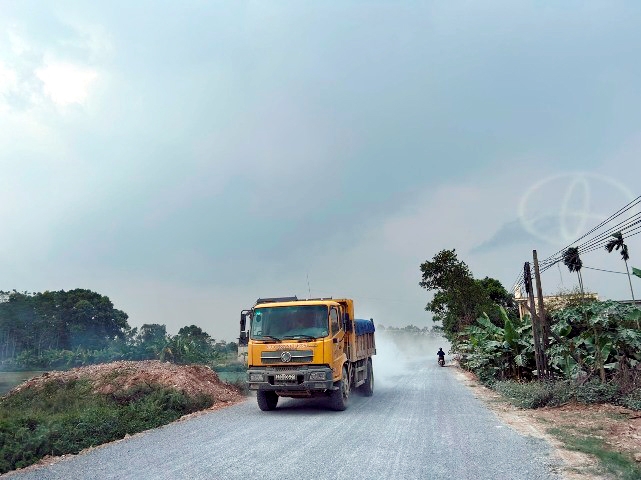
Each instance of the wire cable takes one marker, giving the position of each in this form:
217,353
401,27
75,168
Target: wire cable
631,226
622,210
602,270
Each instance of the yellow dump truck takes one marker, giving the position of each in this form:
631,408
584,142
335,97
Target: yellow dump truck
307,348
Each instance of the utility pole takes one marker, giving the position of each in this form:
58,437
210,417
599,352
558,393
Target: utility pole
543,323
527,277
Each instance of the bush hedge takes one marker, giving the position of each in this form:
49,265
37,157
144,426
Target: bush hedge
554,393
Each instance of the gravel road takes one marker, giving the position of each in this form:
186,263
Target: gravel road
421,423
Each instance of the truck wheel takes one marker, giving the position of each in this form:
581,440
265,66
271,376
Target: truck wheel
267,400
368,387
340,396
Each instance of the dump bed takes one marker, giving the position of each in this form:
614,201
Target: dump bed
362,339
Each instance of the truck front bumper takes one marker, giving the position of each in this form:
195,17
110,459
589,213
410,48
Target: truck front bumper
292,379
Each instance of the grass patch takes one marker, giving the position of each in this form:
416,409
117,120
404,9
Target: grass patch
614,463
536,394
67,417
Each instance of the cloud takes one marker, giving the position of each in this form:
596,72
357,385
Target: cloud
237,150
65,83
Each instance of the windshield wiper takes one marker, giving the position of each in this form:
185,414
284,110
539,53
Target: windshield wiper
308,337
268,337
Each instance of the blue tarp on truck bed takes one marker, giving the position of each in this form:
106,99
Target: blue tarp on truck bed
364,326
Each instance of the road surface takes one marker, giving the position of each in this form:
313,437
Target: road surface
421,423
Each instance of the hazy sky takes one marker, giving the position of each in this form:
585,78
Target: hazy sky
185,158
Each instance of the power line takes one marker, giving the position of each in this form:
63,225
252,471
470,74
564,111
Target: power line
620,227
593,248
604,243
622,210
601,270
602,239
631,226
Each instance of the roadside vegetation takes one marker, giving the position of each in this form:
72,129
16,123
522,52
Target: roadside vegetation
66,417
65,329
61,331
593,349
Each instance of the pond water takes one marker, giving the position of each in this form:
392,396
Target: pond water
8,380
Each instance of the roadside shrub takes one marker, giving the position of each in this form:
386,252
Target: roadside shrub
632,400
555,393
594,391
535,394
561,392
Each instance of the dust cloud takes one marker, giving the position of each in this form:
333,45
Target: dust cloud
400,352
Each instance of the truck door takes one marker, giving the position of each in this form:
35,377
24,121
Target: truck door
337,341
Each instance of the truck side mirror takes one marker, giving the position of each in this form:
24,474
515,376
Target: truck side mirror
243,321
347,322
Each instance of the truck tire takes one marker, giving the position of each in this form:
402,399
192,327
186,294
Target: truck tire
267,400
340,397
367,388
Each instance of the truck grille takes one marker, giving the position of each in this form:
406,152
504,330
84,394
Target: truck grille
279,357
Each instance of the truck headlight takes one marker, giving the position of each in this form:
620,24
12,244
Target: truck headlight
255,377
317,376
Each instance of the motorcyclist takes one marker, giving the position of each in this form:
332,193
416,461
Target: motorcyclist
441,355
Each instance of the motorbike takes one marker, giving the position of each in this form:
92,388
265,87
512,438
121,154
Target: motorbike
441,361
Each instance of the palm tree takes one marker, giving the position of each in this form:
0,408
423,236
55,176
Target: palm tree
615,244
573,261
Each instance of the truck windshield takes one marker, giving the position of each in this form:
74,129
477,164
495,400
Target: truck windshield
278,323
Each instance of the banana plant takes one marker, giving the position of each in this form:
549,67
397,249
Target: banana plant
497,352
600,334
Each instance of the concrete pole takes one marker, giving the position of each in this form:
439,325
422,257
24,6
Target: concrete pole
543,323
535,321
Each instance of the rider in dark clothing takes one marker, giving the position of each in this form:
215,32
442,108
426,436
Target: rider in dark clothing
441,354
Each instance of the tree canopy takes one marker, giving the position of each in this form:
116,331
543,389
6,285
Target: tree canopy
58,320
70,328
459,299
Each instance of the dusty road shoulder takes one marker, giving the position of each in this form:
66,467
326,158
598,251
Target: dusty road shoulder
618,427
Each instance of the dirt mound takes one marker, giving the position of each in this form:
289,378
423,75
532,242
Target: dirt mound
115,377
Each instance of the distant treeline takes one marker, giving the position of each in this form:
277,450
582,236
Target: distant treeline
413,329
80,327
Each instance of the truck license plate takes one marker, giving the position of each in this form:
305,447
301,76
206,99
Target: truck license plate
284,377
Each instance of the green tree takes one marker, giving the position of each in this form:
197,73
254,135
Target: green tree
90,318
34,325
458,298
615,244
499,297
151,341
192,345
